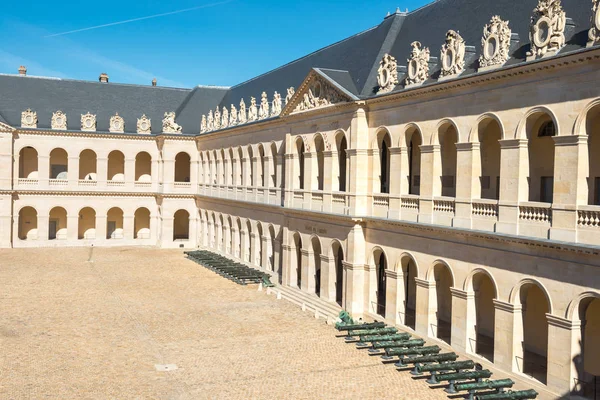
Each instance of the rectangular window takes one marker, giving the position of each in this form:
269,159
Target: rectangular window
546,189
597,191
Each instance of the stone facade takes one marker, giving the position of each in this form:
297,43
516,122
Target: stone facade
458,209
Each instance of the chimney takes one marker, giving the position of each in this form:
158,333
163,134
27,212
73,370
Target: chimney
22,70
154,82
103,77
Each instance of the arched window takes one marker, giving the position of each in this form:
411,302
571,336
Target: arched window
28,223
116,166
182,167
342,146
181,225
59,164
141,224
87,165
540,129
28,163
143,167
114,223
489,135
319,171
448,137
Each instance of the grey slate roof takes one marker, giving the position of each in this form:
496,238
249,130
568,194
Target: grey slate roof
351,64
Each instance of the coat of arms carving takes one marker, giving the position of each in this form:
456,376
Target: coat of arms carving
495,43
453,55
387,74
418,64
88,122
29,119
144,124
547,29
117,124
59,120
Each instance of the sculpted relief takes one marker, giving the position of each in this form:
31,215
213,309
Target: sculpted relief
318,94
453,55
547,30
495,43
117,124
387,74
88,122
59,120
144,124
169,124
594,32
418,64
29,119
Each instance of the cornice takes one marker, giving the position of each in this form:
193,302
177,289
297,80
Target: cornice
103,135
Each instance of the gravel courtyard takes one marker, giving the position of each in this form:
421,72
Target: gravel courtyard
72,329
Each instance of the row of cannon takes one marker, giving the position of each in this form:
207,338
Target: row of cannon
232,270
461,376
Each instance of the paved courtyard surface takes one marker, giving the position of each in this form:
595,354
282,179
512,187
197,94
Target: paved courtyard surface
70,329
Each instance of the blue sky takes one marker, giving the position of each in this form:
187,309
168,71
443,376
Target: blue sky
224,43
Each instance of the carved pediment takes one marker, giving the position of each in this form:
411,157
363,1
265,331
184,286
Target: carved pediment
495,43
315,92
418,64
547,29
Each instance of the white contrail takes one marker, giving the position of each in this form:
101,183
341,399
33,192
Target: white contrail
140,18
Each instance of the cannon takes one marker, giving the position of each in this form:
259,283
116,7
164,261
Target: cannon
449,366
453,377
372,325
433,358
376,331
472,387
381,338
391,345
510,395
422,351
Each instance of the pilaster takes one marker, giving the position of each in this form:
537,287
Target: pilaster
431,185
514,169
563,349
426,321
463,320
507,341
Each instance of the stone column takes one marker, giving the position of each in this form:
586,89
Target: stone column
287,277
128,227
308,271
327,179
514,169
72,227
426,308
431,184
561,352
129,172
358,168
507,339
468,165
101,171
154,174
244,237
73,171
354,269
393,302
463,320
290,175
264,262
277,257
194,175
396,180
43,170
310,181
328,278
571,169
101,227
168,167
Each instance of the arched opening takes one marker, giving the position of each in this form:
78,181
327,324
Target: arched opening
28,223
443,302
247,242
182,167
28,163
587,362
251,176
259,245
87,165
342,147
448,137
316,250
86,228
116,166
540,130
261,166
141,223
481,334
213,232
297,258
57,224
181,225
114,223
143,167
231,167
409,288
319,170
238,238
532,358
273,163
382,167
270,249
593,132
240,180
222,167
489,134
59,164
338,261
413,144
381,266
229,236
300,163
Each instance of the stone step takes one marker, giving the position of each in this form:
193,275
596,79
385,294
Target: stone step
309,302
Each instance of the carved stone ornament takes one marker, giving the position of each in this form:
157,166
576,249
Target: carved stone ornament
263,111
495,43
252,111
210,123
233,116
225,118
203,126
88,122
29,119
59,120
453,54
144,124
217,119
276,108
594,33
318,94
290,94
117,124
547,29
387,74
242,118
169,124
418,64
